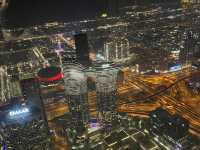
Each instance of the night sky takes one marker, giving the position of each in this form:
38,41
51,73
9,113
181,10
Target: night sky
29,12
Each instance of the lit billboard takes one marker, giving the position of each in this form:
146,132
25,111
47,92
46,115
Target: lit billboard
18,112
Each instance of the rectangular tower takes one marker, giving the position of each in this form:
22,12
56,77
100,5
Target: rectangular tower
82,48
77,96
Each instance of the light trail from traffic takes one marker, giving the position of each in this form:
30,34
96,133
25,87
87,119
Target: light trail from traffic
180,108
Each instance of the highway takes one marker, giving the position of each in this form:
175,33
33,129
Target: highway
166,101
150,98
137,84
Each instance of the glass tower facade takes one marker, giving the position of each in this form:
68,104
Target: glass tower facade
105,75
77,96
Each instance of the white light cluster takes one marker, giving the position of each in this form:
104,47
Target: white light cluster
175,68
19,112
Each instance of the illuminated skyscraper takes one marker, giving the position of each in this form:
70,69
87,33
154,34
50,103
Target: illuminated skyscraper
6,90
105,75
2,97
77,96
116,49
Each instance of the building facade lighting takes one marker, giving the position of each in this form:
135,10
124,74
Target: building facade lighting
19,112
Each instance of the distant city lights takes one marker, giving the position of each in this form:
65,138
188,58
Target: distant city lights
19,112
105,65
104,15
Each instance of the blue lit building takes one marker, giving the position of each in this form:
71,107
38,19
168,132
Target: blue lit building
19,122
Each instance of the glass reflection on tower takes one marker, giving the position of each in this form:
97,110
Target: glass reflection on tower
77,96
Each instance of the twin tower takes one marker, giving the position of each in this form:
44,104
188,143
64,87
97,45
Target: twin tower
76,90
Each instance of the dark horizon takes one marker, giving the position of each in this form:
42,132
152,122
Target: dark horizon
22,13
30,12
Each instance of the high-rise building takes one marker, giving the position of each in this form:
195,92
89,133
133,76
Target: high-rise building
77,96
106,88
82,48
104,75
8,89
2,97
116,49
110,7
187,53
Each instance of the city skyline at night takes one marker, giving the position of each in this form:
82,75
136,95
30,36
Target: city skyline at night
100,75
